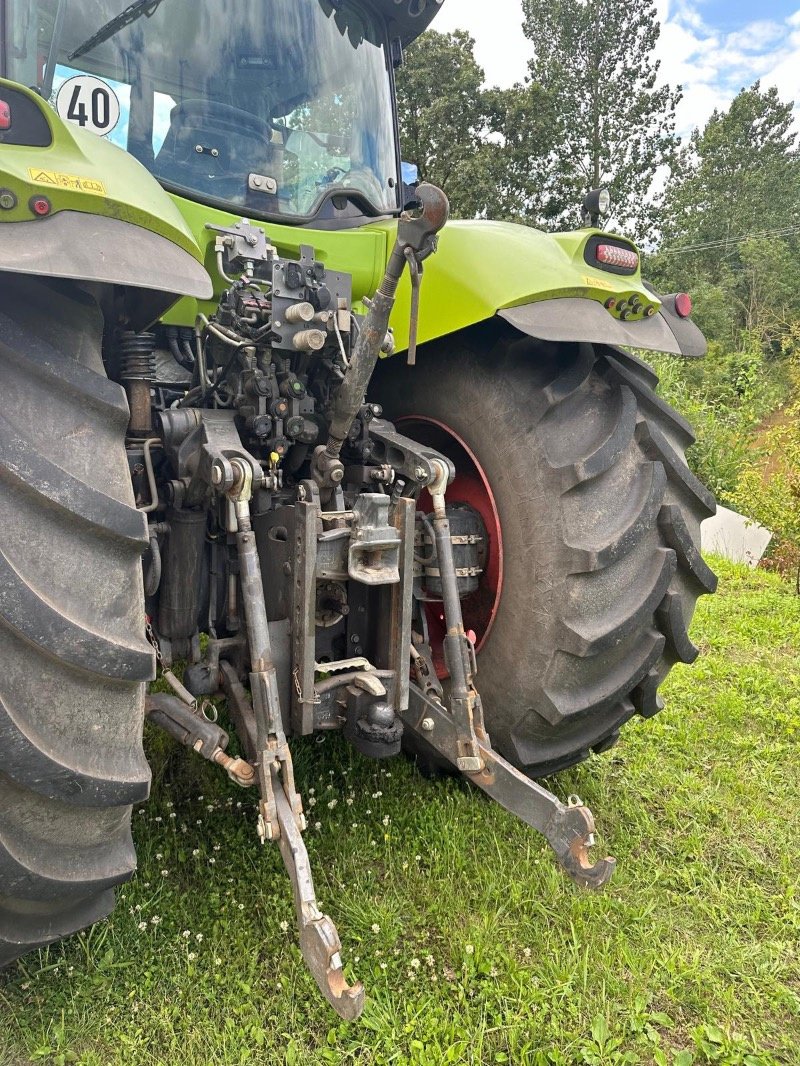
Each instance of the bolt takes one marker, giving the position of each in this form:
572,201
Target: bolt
337,474
355,638
287,568
420,473
427,725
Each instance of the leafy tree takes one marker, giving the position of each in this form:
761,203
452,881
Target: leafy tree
615,126
487,148
443,117
730,218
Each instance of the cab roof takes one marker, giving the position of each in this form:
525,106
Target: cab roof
407,19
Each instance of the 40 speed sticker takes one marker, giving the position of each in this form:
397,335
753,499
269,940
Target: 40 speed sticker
90,103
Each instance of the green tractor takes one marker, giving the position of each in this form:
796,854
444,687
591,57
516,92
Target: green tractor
483,550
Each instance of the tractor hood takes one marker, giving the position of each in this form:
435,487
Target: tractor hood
547,285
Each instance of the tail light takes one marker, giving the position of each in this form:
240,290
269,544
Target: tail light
613,254
5,115
683,304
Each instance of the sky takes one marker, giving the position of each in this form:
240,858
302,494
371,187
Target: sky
712,48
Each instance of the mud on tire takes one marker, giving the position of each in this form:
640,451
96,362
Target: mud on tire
600,519
71,621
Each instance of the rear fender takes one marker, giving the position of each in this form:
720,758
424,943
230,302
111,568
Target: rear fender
108,220
545,285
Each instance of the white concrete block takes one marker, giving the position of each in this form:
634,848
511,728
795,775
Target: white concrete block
734,537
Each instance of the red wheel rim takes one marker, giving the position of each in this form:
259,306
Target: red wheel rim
471,486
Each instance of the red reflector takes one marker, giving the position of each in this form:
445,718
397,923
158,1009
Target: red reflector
683,305
5,115
40,205
613,255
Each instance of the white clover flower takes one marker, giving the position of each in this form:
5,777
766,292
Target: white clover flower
155,920
311,801
375,927
331,804
158,818
526,952
318,826
192,956
415,964
383,965
211,861
386,819
349,801
241,906
165,873
186,934
217,847
470,949
159,856
198,937
142,926
284,926
195,852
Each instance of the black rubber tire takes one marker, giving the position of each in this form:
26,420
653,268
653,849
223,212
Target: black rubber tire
600,518
72,640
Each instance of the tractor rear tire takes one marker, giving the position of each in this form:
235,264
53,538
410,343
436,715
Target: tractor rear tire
72,642
600,524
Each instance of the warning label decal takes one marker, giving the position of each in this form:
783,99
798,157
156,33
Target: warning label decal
66,181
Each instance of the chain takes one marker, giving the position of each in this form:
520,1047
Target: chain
151,636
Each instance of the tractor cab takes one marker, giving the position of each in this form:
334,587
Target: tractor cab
276,109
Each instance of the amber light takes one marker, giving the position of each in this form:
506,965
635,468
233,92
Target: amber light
613,255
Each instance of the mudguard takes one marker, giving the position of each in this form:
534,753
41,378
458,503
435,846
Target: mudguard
105,218
545,285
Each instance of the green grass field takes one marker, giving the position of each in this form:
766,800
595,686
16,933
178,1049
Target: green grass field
473,947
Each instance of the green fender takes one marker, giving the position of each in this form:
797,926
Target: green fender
543,285
109,220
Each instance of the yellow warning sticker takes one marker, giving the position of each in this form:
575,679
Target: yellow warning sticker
599,283
66,181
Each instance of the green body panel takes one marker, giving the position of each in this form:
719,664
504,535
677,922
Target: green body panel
482,267
81,172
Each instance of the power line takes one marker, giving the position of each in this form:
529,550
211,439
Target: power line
723,242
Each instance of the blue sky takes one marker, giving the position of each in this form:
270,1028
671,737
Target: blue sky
711,47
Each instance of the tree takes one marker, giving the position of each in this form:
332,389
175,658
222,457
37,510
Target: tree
443,117
487,148
615,126
730,215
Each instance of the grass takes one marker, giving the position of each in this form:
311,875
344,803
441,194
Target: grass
473,947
